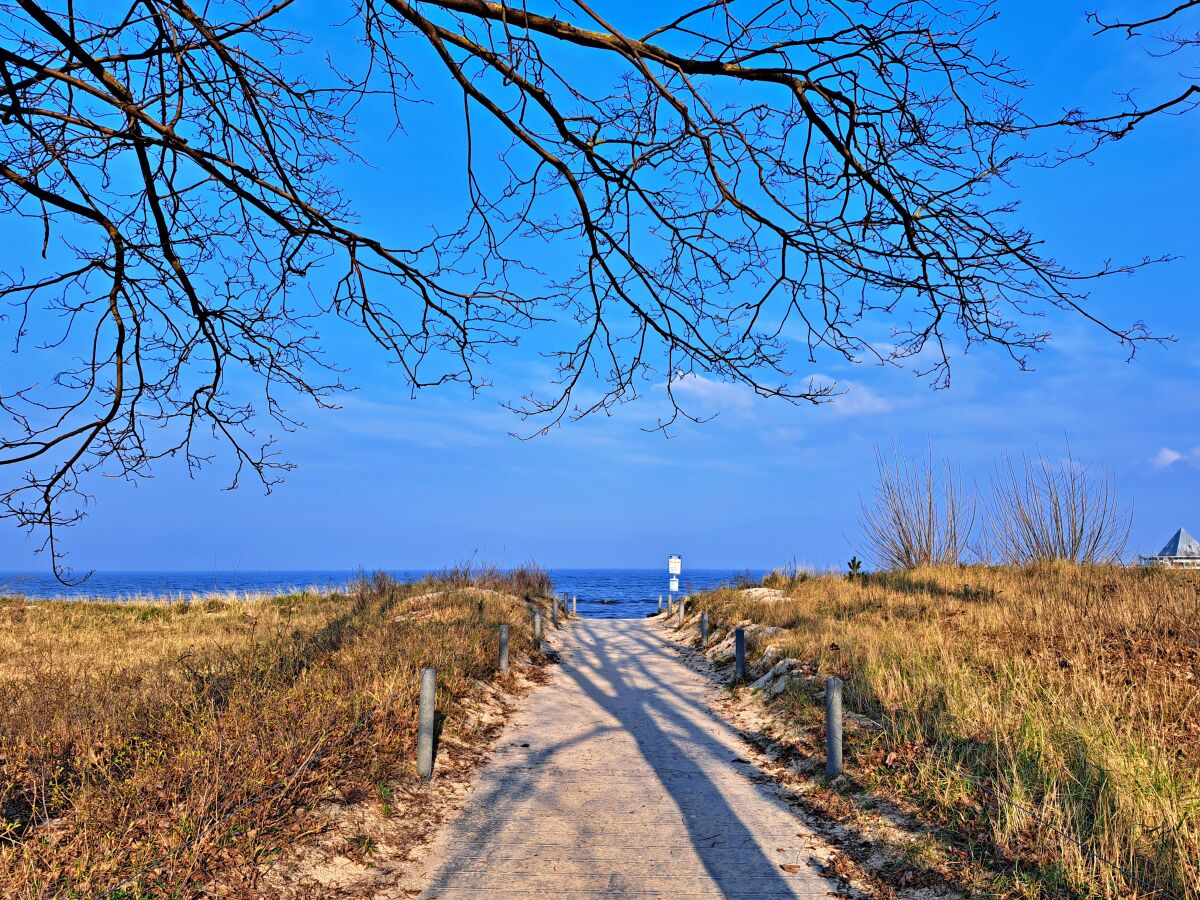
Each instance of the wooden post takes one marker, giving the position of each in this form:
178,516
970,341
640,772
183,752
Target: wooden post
425,723
554,611
833,727
504,648
537,625
739,654
703,630
660,602
574,605
682,609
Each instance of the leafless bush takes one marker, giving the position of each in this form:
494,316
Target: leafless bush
917,516
1042,511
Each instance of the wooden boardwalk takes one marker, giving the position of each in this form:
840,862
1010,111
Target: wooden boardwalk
619,779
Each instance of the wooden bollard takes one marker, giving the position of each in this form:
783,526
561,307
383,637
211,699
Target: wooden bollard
703,630
574,605
739,654
504,648
554,612
537,625
682,609
833,727
425,721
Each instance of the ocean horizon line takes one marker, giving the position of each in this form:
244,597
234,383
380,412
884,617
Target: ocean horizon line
368,569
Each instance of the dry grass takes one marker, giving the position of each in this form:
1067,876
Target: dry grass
1069,695
131,730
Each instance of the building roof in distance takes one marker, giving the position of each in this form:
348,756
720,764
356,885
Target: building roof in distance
1181,545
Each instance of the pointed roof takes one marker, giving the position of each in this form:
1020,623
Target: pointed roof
1182,544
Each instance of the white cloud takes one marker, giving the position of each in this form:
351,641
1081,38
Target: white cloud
860,400
720,395
852,399
428,422
1167,457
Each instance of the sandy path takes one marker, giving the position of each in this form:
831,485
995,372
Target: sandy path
618,779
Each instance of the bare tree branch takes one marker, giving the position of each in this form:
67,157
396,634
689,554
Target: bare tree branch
1178,32
748,188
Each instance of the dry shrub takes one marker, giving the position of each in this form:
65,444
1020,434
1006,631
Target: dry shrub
206,729
917,515
529,580
1043,511
1068,692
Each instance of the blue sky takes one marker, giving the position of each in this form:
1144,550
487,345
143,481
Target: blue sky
393,481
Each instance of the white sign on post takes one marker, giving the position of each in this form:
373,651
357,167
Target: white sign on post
674,583
674,565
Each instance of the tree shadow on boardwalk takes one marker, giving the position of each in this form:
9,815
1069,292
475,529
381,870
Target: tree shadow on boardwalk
652,728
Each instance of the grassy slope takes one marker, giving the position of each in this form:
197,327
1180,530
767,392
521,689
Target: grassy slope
1071,692
131,729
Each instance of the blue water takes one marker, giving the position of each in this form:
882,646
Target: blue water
617,593
603,593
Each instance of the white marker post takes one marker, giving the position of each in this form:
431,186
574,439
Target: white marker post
674,569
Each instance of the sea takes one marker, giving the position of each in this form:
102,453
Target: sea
602,593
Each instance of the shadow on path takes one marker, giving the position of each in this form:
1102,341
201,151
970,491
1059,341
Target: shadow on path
619,780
